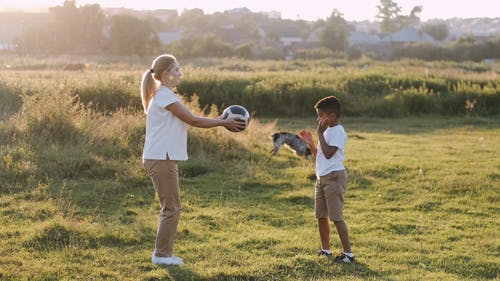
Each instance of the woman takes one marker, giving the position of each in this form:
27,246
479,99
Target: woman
166,143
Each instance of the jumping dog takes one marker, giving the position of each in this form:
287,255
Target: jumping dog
291,141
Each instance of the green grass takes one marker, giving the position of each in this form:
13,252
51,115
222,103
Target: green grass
422,204
76,204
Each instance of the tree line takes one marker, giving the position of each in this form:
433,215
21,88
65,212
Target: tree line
87,30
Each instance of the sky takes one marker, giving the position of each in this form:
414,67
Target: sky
353,10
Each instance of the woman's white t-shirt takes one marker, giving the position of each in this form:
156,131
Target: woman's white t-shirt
334,136
165,133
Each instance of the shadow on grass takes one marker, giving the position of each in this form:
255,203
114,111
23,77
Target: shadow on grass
359,270
153,272
461,265
108,179
323,269
316,273
57,236
179,273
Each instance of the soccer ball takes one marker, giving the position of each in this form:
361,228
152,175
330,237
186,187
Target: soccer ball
237,111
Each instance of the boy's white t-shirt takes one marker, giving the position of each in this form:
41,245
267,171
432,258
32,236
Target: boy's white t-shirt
334,136
165,133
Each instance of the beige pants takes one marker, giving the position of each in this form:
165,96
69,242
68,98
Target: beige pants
165,177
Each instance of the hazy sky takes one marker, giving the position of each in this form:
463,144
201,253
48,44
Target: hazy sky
291,9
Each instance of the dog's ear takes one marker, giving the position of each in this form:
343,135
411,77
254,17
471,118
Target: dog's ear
274,136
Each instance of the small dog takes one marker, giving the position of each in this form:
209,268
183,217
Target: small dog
75,67
291,141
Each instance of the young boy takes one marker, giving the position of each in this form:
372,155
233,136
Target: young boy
331,176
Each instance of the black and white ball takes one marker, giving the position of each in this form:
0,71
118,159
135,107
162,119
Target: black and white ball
237,111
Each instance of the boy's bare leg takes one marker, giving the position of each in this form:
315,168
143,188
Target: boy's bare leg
344,235
324,233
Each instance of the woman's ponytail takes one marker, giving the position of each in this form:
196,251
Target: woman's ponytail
150,77
148,88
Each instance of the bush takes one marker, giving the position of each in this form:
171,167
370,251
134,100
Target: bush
108,96
48,116
10,100
267,89
411,102
362,92
314,53
268,53
464,49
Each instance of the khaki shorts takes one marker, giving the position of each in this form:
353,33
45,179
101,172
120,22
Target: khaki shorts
329,196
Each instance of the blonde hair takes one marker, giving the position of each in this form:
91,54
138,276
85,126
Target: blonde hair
149,84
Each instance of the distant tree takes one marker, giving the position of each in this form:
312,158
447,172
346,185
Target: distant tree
491,48
36,40
269,53
412,20
195,22
318,23
391,20
211,46
335,32
466,40
201,46
92,24
415,15
72,30
244,50
464,49
438,30
66,26
388,13
155,23
130,35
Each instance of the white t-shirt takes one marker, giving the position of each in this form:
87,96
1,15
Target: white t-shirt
334,136
165,133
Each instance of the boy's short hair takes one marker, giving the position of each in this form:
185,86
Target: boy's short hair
330,105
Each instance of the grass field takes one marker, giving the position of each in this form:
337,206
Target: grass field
422,204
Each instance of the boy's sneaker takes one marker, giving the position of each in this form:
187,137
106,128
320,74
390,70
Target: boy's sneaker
343,258
323,253
173,260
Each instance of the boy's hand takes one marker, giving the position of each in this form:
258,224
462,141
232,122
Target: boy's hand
306,136
322,126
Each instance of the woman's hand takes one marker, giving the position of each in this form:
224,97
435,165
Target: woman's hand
234,124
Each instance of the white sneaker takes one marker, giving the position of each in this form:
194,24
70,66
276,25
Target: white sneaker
177,258
173,260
